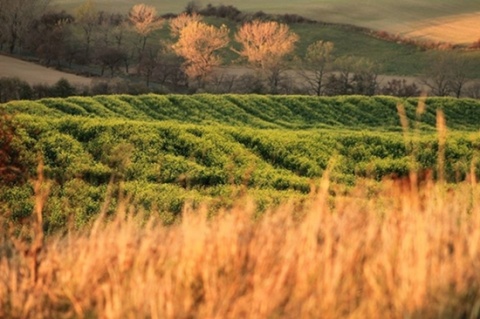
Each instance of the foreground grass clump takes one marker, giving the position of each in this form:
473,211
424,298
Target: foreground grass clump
388,250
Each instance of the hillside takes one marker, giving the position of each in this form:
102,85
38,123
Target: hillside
165,150
400,17
394,58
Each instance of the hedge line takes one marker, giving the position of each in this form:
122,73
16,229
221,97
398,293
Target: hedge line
259,111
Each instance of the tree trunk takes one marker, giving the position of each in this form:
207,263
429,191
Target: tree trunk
13,43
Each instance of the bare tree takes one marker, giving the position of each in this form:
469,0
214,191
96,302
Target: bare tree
198,44
447,74
221,83
49,35
459,76
110,58
144,20
15,19
118,25
317,62
192,7
111,27
265,45
168,68
353,75
365,77
400,87
342,82
436,77
86,16
473,90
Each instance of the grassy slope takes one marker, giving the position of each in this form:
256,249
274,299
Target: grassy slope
172,149
395,59
379,12
411,18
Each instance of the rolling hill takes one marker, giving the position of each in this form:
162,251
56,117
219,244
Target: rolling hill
399,17
165,150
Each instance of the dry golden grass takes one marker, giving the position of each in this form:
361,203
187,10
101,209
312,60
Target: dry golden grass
457,29
388,250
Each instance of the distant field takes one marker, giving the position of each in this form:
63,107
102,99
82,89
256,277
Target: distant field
390,15
455,29
36,74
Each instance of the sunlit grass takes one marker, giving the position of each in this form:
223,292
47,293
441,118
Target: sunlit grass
394,249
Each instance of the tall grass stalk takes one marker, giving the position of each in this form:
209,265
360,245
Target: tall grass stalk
383,251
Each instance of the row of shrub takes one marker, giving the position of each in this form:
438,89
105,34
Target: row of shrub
294,112
13,88
233,13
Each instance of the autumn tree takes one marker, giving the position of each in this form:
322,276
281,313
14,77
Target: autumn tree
181,21
144,20
198,44
265,45
317,62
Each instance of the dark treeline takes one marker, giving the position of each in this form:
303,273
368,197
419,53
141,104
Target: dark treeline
12,88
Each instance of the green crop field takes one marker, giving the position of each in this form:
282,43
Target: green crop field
165,150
